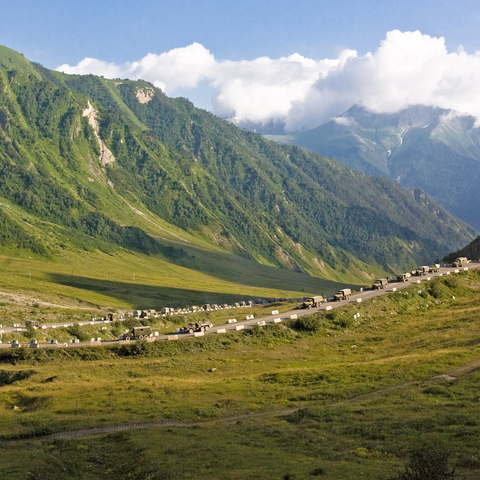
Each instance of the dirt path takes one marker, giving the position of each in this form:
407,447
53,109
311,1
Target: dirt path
171,423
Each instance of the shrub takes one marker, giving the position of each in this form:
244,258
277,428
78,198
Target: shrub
308,324
76,331
427,464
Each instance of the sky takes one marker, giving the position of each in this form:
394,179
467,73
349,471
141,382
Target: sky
295,64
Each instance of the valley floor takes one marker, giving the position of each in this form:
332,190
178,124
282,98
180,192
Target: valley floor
329,395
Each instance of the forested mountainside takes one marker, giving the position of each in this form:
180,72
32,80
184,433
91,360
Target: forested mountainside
430,148
88,163
471,251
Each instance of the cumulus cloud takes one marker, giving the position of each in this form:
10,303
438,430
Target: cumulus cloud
408,68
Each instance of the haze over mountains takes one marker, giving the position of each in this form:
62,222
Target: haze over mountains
91,163
434,149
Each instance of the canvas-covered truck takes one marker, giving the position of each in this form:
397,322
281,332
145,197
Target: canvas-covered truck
435,268
403,277
138,333
312,302
421,271
201,326
343,294
380,284
460,262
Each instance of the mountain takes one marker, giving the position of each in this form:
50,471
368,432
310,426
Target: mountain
471,251
430,148
88,163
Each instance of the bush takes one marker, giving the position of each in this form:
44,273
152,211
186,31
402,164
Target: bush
427,464
76,331
308,324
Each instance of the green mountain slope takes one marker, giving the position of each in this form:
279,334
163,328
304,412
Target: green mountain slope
93,164
471,251
430,148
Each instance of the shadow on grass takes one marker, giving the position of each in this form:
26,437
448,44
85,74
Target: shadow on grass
147,296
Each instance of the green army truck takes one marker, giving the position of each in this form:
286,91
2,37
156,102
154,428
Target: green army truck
312,302
138,333
343,294
380,284
201,326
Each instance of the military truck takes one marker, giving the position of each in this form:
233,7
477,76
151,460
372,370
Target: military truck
344,294
201,326
421,271
460,262
379,284
435,268
311,302
33,323
403,277
138,333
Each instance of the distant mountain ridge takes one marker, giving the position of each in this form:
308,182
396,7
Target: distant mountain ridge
91,163
434,149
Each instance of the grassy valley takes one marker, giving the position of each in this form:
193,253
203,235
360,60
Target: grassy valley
329,395
117,167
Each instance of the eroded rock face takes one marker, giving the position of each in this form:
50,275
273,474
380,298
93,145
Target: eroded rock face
144,95
106,156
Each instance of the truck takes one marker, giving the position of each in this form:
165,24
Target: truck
421,271
312,302
200,326
33,323
403,277
343,294
137,333
460,262
380,284
435,268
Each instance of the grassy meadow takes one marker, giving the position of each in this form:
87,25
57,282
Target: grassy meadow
328,396
135,281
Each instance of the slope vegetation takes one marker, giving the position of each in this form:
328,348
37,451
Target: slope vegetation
89,164
434,149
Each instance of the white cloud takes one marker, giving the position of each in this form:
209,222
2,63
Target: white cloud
346,121
408,68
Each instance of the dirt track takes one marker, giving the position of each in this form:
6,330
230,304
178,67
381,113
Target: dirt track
170,423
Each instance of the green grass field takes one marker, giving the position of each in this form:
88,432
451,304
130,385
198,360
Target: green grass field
220,401
131,281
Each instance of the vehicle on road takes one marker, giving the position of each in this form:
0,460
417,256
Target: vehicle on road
311,302
403,277
435,268
421,271
138,333
460,262
380,284
343,294
33,323
201,326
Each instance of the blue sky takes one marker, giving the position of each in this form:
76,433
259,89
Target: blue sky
224,33
65,31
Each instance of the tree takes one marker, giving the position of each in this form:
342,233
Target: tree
427,463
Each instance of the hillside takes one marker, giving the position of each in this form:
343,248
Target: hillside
433,149
89,164
471,251
326,396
